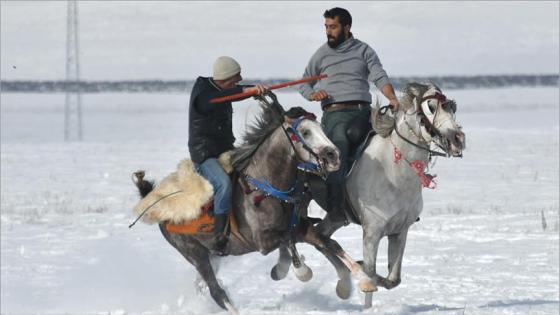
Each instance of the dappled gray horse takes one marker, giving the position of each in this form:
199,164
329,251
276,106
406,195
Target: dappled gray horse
269,158
384,187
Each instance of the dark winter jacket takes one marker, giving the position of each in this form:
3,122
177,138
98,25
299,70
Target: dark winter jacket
210,125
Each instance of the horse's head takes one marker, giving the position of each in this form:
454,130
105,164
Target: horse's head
309,141
436,115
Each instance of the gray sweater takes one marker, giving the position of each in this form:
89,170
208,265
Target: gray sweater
349,68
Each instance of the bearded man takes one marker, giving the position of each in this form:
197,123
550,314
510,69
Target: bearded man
344,95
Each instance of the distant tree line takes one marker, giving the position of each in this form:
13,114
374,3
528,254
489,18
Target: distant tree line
157,86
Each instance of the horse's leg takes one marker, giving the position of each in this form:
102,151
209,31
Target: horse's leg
280,270
397,243
370,247
328,225
199,257
302,271
311,236
344,284
199,282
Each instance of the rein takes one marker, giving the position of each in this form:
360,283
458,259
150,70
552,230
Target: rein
427,149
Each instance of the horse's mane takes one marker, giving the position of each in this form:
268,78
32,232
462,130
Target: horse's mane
414,90
384,124
269,119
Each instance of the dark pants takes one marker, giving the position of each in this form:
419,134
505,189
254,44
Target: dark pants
335,124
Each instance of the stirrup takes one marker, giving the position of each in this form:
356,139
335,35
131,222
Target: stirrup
219,244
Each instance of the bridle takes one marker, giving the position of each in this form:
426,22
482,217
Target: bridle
420,166
294,137
432,130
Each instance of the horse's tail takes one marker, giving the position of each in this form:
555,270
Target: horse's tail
144,186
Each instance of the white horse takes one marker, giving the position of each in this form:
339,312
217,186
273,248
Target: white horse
384,187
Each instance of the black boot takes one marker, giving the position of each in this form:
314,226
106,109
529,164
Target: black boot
335,202
220,240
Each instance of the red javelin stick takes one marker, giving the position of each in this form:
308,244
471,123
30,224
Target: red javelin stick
274,87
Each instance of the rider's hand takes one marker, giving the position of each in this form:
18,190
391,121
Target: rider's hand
394,104
259,89
319,95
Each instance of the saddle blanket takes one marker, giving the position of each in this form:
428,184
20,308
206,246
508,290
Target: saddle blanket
181,196
204,224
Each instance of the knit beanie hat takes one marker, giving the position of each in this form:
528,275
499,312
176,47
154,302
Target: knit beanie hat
225,67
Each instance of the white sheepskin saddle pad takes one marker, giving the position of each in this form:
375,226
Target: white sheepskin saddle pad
178,208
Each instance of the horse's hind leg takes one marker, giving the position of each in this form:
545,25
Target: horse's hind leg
344,284
322,243
199,282
280,270
199,257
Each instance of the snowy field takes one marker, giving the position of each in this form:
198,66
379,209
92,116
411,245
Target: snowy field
487,242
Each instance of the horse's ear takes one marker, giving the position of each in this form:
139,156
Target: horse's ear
414,90
432,85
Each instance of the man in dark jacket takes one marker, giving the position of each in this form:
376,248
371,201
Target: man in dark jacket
211,134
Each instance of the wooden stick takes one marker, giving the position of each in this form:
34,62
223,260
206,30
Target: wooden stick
274,87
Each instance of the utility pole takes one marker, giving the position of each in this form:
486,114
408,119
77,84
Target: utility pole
73,101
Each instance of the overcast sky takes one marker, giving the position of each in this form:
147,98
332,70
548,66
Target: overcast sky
180,40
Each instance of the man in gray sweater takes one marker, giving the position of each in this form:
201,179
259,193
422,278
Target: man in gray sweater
344,95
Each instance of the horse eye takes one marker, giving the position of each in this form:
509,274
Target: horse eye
431,106
305,133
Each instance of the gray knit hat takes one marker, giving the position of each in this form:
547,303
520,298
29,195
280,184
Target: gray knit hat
225,67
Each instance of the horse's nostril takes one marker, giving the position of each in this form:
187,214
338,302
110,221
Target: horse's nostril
460,137
330,153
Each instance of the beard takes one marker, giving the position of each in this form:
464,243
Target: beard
334,42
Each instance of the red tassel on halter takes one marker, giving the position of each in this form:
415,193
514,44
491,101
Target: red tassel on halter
257,199
426,180
294,138
397,155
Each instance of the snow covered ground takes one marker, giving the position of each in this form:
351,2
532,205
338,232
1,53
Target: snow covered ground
487,242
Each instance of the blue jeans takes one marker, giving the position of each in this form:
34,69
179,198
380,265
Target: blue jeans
215,174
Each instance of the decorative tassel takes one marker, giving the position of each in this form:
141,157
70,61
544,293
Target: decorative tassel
397,155
258,199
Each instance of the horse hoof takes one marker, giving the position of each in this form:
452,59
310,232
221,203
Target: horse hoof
367,285
343,288
391,284
279,272
231,310
303,273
